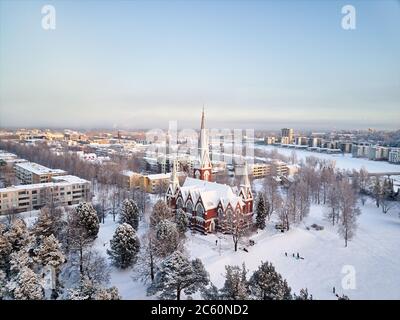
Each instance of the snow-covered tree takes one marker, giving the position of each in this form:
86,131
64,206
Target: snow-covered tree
18,235
49,254
267,284
5,250
261,211
89,290
177,274
161,211
235,286
86,217
129,213
146,265
27,286
303,295
3,285
44,224
182,221
377,191
348,211
167,238
95,267
124,246
210,292
333,202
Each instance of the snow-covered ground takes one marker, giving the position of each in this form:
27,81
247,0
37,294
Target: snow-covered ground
342,161
374,254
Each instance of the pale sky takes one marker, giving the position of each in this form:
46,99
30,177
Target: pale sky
253,64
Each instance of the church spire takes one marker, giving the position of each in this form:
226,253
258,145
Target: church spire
202,120
203,170
174,181
245,180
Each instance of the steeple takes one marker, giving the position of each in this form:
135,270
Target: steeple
203,170
202,120
174,181
245,179
245,185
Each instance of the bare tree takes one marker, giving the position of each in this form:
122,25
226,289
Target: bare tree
348,211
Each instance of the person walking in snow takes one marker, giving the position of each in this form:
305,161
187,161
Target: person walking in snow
334,290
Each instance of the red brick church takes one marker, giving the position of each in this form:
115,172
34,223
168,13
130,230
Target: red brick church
210,206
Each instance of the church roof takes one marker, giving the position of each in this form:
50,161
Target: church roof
211,193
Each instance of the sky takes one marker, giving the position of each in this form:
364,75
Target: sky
252,64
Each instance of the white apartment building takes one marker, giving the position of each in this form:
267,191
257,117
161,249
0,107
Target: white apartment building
62,190
394,155
30,172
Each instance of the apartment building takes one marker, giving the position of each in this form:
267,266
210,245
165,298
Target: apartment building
378,153
287,135
30,172
360,150
394,155
62,190
274,167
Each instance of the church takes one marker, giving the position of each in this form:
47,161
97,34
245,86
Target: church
210,206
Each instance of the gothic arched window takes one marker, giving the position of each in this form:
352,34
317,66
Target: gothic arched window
200,211
179,203
189,207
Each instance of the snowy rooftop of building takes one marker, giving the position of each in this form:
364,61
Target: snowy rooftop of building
210,192
57,182
39,169
7,155
69,179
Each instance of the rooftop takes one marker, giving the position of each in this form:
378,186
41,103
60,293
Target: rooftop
39,169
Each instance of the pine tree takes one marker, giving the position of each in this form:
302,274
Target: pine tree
303,295
3,285
49,254
161,211
177,274
27,286
5,250
87,219
130,213
210,293
182,221
124,246
167,238
18,235
44,224
235,286
267,284
261,211
90,290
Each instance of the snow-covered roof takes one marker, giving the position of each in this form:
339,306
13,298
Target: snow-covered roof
211,193
59,181
38,169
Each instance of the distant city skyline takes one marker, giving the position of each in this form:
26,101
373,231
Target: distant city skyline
253,64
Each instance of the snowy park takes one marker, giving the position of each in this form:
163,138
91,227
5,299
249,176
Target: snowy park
373,253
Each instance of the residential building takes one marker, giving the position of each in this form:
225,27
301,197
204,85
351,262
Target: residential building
30,172
62,190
